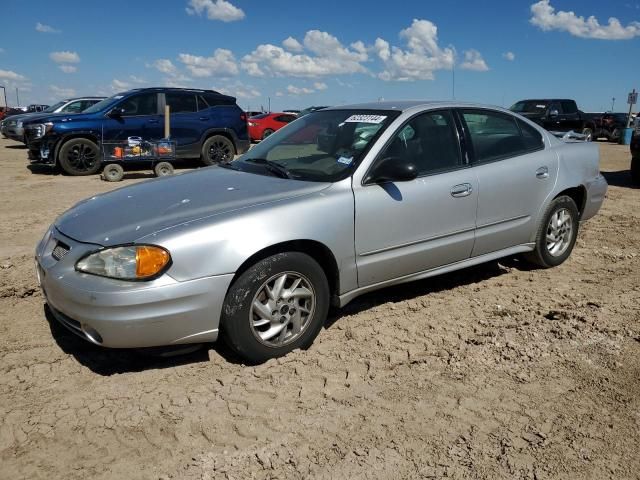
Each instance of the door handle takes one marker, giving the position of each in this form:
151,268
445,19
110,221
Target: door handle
462,190
542,173
204,119
154,120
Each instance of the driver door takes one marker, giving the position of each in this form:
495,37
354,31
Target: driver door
402,228
140,118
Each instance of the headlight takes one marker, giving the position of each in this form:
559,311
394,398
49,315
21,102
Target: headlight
131,262
40,130
19,123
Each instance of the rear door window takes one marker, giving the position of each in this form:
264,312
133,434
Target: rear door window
181,102
214,100
73,107
569,107
496,135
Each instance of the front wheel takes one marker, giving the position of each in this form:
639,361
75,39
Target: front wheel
557,233
589,135
277,305
217,149
79,156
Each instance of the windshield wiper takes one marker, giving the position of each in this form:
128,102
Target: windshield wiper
229,166
273,167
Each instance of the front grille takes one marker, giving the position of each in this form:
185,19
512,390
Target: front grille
60,251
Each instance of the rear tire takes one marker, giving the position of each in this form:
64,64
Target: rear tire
266,133
113,172
588,132
216,150
557,233
635,170
79,157
163,169
277,305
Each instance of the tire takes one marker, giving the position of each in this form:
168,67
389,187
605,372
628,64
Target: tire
79,157
591,137
549,253
615,135
113,172
217,149
266,133
248,306
635,170
163,169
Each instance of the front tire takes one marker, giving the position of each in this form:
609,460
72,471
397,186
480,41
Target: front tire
216,150
277,305
557,233
79,157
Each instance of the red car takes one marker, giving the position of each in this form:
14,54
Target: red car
263,125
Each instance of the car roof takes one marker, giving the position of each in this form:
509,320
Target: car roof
403,105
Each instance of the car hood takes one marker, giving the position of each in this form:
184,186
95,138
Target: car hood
56,117
23,117
130,213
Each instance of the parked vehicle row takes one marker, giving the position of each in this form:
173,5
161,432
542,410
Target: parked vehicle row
205,124
13,128
338,203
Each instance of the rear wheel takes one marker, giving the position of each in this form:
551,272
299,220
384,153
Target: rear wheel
163,169
557,233
277,305
266,133
590,136
635,170
217,149
79,156
113,172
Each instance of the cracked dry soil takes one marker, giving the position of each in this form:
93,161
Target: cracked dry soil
498,371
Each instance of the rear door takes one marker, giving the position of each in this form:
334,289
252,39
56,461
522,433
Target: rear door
186,123
140,118
516,173
570,116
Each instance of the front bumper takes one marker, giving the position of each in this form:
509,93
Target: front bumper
596,191
13,132
121,314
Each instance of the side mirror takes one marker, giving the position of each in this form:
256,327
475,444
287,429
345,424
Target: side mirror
116,112
553,113
392,169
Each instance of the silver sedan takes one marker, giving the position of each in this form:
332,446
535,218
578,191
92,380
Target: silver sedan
338,203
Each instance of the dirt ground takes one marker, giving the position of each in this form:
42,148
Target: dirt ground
498,371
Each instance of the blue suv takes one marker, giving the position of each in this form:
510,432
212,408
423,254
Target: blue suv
204,124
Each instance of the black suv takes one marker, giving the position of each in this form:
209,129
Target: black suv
204,124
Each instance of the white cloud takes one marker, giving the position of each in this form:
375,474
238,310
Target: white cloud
473,61
11,75
68,68
65,57
293,90
279,94
41,27
422,58
164,65
546,18
119,85
215,10
240,90
62,92
329,57
177,81
509,56
292,45
221,64
1,50
138,80
320,86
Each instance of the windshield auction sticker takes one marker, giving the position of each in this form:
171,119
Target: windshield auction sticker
366,119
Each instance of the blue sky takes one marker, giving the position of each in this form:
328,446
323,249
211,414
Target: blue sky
325,53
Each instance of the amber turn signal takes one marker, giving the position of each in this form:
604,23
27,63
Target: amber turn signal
150,260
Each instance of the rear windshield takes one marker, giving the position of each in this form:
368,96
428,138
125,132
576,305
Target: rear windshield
262,115
530,106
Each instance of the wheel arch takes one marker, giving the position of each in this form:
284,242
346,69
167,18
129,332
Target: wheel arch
577,194
316,250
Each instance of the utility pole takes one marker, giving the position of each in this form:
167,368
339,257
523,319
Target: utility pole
613,102
17,96
453,79
633,99
269,104
6,105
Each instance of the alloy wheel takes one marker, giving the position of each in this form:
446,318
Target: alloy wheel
559,232
282,309
82,157
220,152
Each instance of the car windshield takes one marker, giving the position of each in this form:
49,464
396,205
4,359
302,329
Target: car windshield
530,106
323,146
53,108
104,104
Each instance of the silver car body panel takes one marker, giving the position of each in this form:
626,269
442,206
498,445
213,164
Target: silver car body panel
215,220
